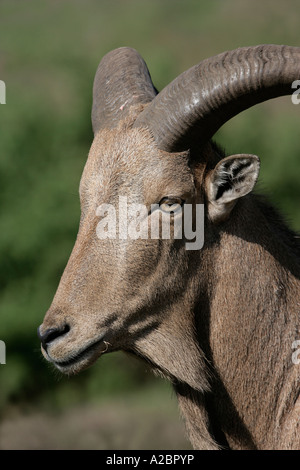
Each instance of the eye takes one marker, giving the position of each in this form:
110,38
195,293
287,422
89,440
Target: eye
171,204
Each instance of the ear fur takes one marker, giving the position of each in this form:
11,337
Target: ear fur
232,178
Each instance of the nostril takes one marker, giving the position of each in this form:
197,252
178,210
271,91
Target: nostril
51,334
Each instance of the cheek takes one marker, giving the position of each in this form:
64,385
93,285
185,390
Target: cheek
153,265
143,257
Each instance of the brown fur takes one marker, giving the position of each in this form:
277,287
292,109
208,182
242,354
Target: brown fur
219,322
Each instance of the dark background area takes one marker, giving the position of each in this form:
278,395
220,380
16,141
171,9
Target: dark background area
49,52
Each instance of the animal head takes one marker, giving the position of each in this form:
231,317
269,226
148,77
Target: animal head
152,165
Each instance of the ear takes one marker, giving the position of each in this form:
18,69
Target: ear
232,178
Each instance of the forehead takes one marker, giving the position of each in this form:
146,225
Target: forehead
128,160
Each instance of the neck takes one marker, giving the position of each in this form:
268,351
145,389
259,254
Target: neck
246,323
195,410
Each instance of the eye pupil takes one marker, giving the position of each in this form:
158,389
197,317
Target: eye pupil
170,205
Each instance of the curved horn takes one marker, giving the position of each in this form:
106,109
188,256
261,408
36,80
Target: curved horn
122,79
198,102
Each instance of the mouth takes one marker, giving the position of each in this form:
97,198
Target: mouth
81,359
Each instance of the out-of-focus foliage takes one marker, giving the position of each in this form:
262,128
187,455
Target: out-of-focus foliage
49,52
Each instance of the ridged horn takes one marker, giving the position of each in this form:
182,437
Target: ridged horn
199,101
122,79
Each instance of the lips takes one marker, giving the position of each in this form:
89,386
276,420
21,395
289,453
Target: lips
83,358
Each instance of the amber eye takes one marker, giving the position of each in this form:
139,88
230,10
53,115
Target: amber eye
171,204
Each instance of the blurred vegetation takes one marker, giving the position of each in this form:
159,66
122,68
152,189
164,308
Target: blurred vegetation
49,52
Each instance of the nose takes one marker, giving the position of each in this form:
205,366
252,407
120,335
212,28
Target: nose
51,334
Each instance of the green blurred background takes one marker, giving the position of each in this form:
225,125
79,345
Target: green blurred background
49,52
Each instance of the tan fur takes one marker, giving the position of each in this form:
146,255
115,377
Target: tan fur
219,322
